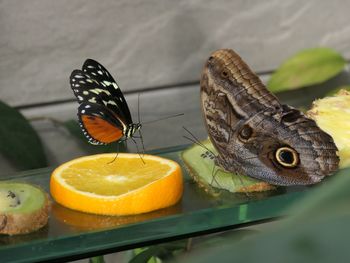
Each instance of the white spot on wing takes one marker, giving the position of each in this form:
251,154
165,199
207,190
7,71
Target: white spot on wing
98,91
93,100
85,92
112,102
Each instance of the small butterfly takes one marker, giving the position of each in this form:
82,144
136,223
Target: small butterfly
104,115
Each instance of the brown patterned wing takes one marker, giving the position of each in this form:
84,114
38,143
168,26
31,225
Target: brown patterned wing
226,73
254,133
231,93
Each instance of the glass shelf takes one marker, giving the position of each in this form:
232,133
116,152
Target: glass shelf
73,235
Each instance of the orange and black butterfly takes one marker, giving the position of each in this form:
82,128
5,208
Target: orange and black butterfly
104,115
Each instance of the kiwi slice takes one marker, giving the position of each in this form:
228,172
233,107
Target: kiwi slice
201,166
24,208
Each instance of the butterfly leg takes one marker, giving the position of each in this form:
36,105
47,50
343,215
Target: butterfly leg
143,146
137,149
221,162
116,156
213,174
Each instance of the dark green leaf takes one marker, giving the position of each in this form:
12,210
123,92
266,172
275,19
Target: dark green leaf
74,128
19,142
306,68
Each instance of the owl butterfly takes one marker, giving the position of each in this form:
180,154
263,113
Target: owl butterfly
256,135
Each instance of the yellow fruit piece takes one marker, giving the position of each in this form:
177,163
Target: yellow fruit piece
97,184
93,221
332,114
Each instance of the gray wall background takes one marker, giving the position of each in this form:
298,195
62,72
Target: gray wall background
152,43
148,44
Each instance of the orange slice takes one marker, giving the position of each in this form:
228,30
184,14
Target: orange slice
97,184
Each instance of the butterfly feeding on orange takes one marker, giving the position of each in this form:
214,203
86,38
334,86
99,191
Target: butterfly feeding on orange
104,115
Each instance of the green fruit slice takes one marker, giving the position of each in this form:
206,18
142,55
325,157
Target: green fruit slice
23,208
200,163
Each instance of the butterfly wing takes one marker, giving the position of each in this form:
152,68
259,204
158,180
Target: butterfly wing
86,89
254,133
94,84
106,82
99,124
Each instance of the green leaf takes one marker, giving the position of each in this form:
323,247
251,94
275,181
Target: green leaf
73,127
19,142
308,67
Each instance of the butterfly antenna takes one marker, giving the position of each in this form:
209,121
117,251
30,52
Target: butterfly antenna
199,144
196,141
138,108
165,118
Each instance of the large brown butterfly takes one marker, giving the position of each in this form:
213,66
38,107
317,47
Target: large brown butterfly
104,115
254,133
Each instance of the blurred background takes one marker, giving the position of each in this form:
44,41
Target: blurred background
156,50
152,48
